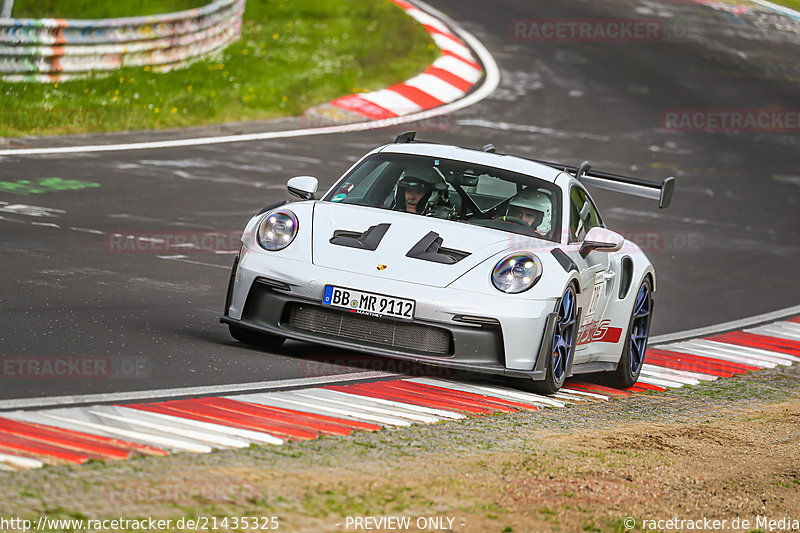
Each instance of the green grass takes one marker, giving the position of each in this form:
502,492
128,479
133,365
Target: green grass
292,55
792,4
92,9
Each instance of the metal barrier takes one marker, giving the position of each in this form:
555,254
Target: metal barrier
49,50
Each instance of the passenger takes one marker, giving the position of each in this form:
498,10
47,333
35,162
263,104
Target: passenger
534,208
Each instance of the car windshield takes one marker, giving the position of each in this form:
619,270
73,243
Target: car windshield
454,190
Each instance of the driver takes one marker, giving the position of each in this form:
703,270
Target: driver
412,194
533,207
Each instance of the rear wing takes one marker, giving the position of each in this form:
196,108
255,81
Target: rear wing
614,182
603,180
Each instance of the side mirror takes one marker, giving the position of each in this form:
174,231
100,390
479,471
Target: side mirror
303,187
601,239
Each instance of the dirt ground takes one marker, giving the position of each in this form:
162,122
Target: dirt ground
727,450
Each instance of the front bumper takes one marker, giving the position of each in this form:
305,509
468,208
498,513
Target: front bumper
270,296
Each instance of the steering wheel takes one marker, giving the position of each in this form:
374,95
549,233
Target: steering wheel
515,220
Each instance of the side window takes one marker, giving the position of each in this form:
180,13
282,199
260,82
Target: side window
583,214
366,183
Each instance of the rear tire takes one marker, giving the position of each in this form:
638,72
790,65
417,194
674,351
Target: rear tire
256,338
562,348
630,364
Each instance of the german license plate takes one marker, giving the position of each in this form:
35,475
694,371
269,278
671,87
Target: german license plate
368,303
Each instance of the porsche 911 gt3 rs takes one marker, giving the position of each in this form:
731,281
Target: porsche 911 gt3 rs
461,258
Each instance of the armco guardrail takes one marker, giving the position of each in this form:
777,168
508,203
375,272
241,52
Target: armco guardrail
50,50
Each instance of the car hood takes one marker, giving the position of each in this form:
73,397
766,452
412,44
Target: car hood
389,260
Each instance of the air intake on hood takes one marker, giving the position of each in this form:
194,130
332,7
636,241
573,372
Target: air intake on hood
429,248
369,240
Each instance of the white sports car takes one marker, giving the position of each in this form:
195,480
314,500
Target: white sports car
461,258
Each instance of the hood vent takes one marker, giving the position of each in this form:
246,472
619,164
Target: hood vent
429,248
369,240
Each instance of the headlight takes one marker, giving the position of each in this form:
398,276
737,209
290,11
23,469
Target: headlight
277,230
517,273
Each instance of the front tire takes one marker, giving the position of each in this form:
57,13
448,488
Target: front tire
630,364
256,338
562,345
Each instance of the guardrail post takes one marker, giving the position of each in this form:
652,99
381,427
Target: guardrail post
5,8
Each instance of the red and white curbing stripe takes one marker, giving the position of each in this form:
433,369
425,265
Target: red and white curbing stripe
449,78
30,439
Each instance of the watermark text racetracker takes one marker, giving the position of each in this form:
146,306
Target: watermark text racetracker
738,523
166,242
732,120
648,240
323,365
102,525
603,30
75,367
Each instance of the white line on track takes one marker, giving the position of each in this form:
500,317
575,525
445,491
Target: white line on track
189,261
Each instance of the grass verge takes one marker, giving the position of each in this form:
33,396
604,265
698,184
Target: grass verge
292,55
791,4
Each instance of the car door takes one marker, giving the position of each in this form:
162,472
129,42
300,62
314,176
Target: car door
597,272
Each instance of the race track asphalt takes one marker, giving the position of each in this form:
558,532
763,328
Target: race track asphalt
727,248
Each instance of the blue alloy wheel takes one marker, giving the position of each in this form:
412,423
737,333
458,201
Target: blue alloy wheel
640,328
633,353
564,338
